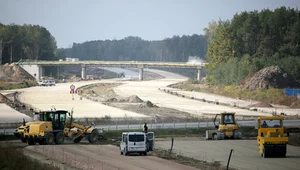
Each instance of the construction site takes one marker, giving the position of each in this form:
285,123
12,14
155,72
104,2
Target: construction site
58,126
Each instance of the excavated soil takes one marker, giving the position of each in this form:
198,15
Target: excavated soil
14,73
261,104
268,77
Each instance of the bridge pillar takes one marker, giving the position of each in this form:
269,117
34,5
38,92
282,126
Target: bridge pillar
41,73
141,73
199,73
83,71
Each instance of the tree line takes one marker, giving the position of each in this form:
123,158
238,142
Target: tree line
32,42
251,41
175,49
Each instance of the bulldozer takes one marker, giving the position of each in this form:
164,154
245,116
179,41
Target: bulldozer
226,127
270,137
52,127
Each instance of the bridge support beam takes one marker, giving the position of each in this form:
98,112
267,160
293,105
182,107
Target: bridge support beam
83,72
199,70
141,72
41,72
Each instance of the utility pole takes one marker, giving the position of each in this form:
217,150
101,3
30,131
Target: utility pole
11,52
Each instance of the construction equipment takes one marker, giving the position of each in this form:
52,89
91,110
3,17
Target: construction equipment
226,126
270,138
52,127
136,142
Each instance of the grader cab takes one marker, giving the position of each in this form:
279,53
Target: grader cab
270,138
52,127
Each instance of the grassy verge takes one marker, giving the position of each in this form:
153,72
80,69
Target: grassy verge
9,86
271,95
14,158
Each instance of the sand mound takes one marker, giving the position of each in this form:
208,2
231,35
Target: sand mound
112,100
134,99
147,104
14,73
130,99
261,104
268,77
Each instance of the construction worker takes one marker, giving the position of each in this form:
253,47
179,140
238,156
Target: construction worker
264,125
145,129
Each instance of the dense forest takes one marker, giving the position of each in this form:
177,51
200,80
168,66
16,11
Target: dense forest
26,42
175,49
252,41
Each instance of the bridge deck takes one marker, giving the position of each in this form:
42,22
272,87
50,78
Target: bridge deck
137,64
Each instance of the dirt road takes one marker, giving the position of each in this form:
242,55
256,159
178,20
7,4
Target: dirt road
43,98
103,157
244,157
149,90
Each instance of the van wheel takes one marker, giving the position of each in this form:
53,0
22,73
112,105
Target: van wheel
145,153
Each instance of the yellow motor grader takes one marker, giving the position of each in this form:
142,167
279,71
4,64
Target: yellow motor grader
52,127
226,127
270,138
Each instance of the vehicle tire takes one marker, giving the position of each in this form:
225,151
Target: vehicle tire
215,136
265,153
93,137
59,138
42,142
145,153
121,151
30,142
125,152
49,139
23,140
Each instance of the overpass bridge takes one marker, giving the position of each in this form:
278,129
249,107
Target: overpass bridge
36,68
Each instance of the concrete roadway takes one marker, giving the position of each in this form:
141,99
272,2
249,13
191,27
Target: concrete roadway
244,157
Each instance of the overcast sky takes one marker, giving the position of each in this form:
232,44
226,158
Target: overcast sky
85,20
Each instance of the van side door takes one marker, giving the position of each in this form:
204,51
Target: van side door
123,142
150,141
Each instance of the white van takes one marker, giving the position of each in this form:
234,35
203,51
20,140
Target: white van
136,142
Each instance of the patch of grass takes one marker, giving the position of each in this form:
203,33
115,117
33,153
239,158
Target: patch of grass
9,86
14,158
270,95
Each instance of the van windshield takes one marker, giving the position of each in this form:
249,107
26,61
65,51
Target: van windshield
136,138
